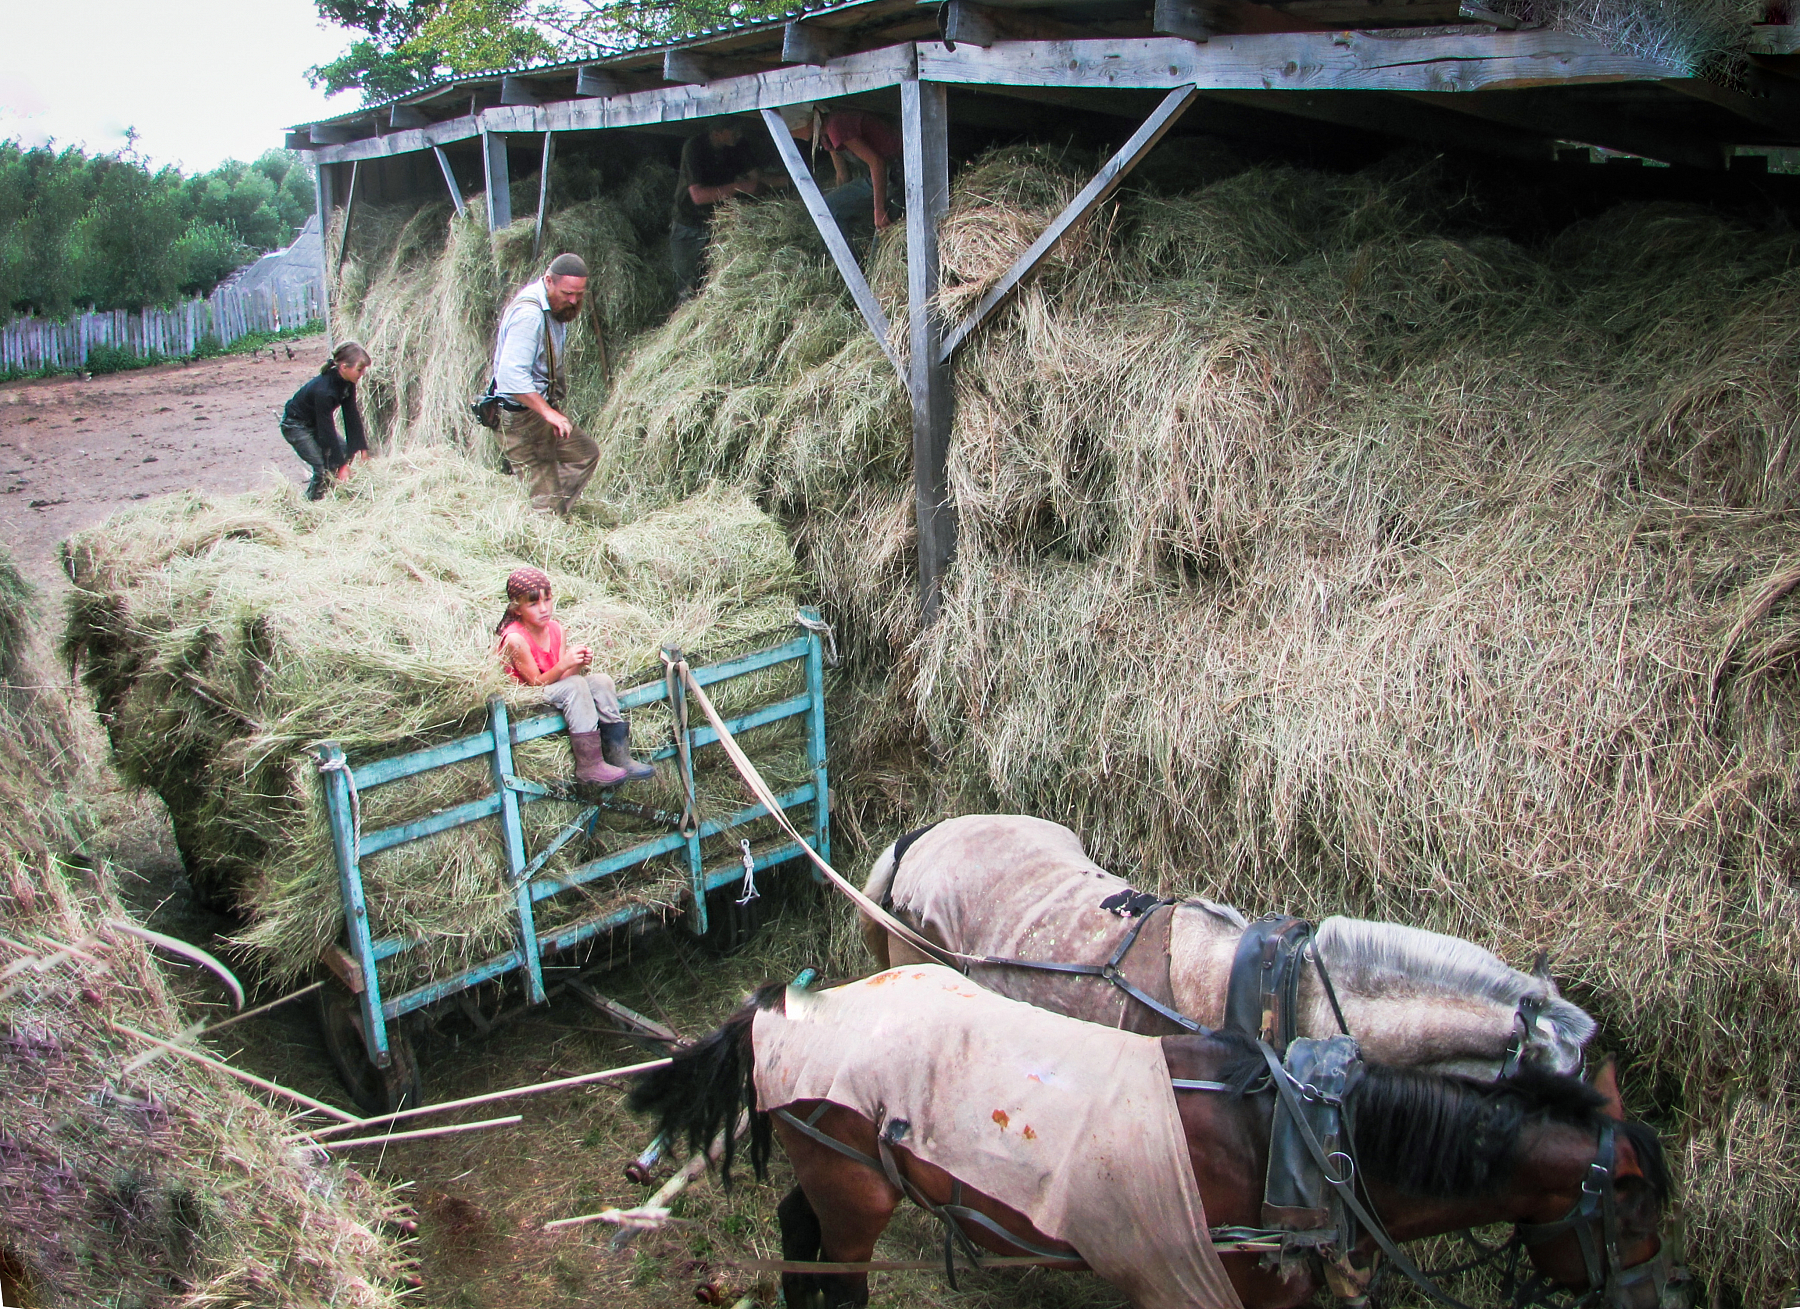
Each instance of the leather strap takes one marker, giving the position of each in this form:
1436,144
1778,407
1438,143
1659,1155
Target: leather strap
1110,970
1263,993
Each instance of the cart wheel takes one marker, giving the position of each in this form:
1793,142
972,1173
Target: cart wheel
375,1090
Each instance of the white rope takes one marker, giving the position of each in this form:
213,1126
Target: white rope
749,887
343,766
766,797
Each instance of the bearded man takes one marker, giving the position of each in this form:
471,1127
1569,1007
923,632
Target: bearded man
545,448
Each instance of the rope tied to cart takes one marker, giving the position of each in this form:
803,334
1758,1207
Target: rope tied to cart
328,765
764,795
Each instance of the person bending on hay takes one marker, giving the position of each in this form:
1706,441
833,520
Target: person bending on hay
553,456
531,646
307,424
873,193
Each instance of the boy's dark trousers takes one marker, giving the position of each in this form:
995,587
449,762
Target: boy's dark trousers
306,444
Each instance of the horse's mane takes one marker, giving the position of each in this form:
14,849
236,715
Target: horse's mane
1440,1136
1371,957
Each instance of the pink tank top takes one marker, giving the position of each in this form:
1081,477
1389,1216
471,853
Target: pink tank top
544,659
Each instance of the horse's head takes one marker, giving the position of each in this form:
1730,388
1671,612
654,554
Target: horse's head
1599,1235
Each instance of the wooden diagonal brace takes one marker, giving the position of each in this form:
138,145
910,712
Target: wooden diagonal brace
1105,182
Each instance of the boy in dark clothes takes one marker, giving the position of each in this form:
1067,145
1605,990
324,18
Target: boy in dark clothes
306,421
715,165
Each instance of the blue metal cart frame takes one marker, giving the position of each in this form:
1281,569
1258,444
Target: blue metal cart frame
345,783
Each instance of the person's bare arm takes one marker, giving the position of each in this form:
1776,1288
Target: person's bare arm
711,195
877,176
839,167
517,654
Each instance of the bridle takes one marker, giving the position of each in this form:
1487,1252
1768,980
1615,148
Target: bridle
1610,1282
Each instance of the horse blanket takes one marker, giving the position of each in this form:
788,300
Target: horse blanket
1072,1124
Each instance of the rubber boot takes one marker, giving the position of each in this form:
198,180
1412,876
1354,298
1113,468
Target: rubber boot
590,760
617,739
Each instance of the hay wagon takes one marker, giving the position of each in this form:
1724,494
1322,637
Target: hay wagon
358,1016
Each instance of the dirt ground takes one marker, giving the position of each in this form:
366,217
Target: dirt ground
73,452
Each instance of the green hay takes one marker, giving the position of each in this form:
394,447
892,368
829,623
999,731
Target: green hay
223,638
1319,554
168,1186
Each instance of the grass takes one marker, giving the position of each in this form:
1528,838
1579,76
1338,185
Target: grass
162,1186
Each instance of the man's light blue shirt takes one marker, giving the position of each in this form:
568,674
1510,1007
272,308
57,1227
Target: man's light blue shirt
520,364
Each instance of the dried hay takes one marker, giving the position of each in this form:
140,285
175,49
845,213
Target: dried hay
1320,550
1692,38
423,290
222,638
167,1187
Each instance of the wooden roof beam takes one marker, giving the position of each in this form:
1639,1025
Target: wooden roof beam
1425,123
811,43
1587,124
964,21
1292,61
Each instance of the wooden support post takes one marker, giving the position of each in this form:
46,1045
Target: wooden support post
924,118
841,253
456,195
322,205
537,241
1091,196
349,214
499,180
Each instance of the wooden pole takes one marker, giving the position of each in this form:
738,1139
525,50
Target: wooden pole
499,180
420,1135
924,119
537,241
274,1088
349,214
456,195
536,1088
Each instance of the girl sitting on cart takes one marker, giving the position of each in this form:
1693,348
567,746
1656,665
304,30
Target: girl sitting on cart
531,646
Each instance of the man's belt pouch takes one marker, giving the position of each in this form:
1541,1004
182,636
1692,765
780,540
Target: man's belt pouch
488,406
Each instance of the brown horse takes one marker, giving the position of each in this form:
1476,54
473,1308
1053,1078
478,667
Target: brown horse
915,1082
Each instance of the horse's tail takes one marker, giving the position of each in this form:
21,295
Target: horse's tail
699,1093
881,881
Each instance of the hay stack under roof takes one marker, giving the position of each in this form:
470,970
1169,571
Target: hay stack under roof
1320,549
165,1186
222,638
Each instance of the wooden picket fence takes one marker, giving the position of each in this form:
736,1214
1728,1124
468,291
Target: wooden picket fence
30,344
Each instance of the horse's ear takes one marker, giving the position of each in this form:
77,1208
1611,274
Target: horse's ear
1606,1082
1540,967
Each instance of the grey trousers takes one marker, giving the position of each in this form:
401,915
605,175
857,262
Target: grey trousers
305,443
687,256
585,702
554,469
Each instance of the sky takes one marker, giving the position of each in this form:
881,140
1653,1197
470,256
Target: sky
200,80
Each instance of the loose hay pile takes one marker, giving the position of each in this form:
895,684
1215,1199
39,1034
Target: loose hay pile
164,1187
1323,551
222,638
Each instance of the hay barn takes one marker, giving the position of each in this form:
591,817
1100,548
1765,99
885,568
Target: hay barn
1334,454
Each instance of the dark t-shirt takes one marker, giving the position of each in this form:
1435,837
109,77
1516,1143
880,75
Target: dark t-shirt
705,164
312,406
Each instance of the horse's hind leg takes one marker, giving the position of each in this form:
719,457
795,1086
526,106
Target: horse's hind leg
800,1244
